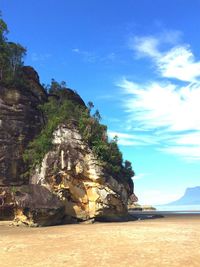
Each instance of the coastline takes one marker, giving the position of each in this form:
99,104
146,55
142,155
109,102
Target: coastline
163,214
172,240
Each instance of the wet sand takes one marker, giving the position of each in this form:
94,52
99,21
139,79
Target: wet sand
170,241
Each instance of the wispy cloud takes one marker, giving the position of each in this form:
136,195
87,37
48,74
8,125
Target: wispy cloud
88,56
157,105
110,57
76,50
145,46
154,45
176,62
131,139
140,176
93,57
157,197
166,110
40,57
190,153
179,63
167,114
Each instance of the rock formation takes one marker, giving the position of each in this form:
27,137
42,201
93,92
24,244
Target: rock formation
70,185
74,174
20,121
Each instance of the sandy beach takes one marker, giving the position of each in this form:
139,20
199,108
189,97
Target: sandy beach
169,241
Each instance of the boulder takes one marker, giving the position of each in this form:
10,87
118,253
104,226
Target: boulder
36,206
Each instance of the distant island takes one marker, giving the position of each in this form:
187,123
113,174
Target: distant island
190,197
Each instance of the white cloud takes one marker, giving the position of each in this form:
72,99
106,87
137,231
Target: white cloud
125,139
170,36
145,46
166,105
190,153
140,176
157,197
121,135
176,62
151,45
179,63
188,139
166,114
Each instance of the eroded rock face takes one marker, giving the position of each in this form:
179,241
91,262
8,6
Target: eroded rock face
35,205
20,121
7,204
71,184
72,171
31,205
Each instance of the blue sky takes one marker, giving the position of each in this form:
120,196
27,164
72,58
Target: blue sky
139,62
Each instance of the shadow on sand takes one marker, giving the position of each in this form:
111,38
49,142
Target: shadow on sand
133,216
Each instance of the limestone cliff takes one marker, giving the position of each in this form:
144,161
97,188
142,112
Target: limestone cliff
71,185
74,174
20,121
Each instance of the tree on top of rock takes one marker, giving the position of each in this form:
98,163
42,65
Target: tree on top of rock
11,56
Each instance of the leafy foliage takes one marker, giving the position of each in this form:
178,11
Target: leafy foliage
11,57
59,109
55,113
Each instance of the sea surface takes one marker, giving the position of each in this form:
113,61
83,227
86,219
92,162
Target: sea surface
178,208
169,211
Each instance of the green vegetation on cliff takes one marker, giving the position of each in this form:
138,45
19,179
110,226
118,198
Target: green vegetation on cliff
60,109
63,106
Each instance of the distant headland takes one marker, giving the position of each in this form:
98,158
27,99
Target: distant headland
190,197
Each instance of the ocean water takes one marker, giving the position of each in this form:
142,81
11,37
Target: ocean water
179,208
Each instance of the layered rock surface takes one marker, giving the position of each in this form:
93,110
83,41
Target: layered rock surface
71,184
30,205
20,121
75,175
